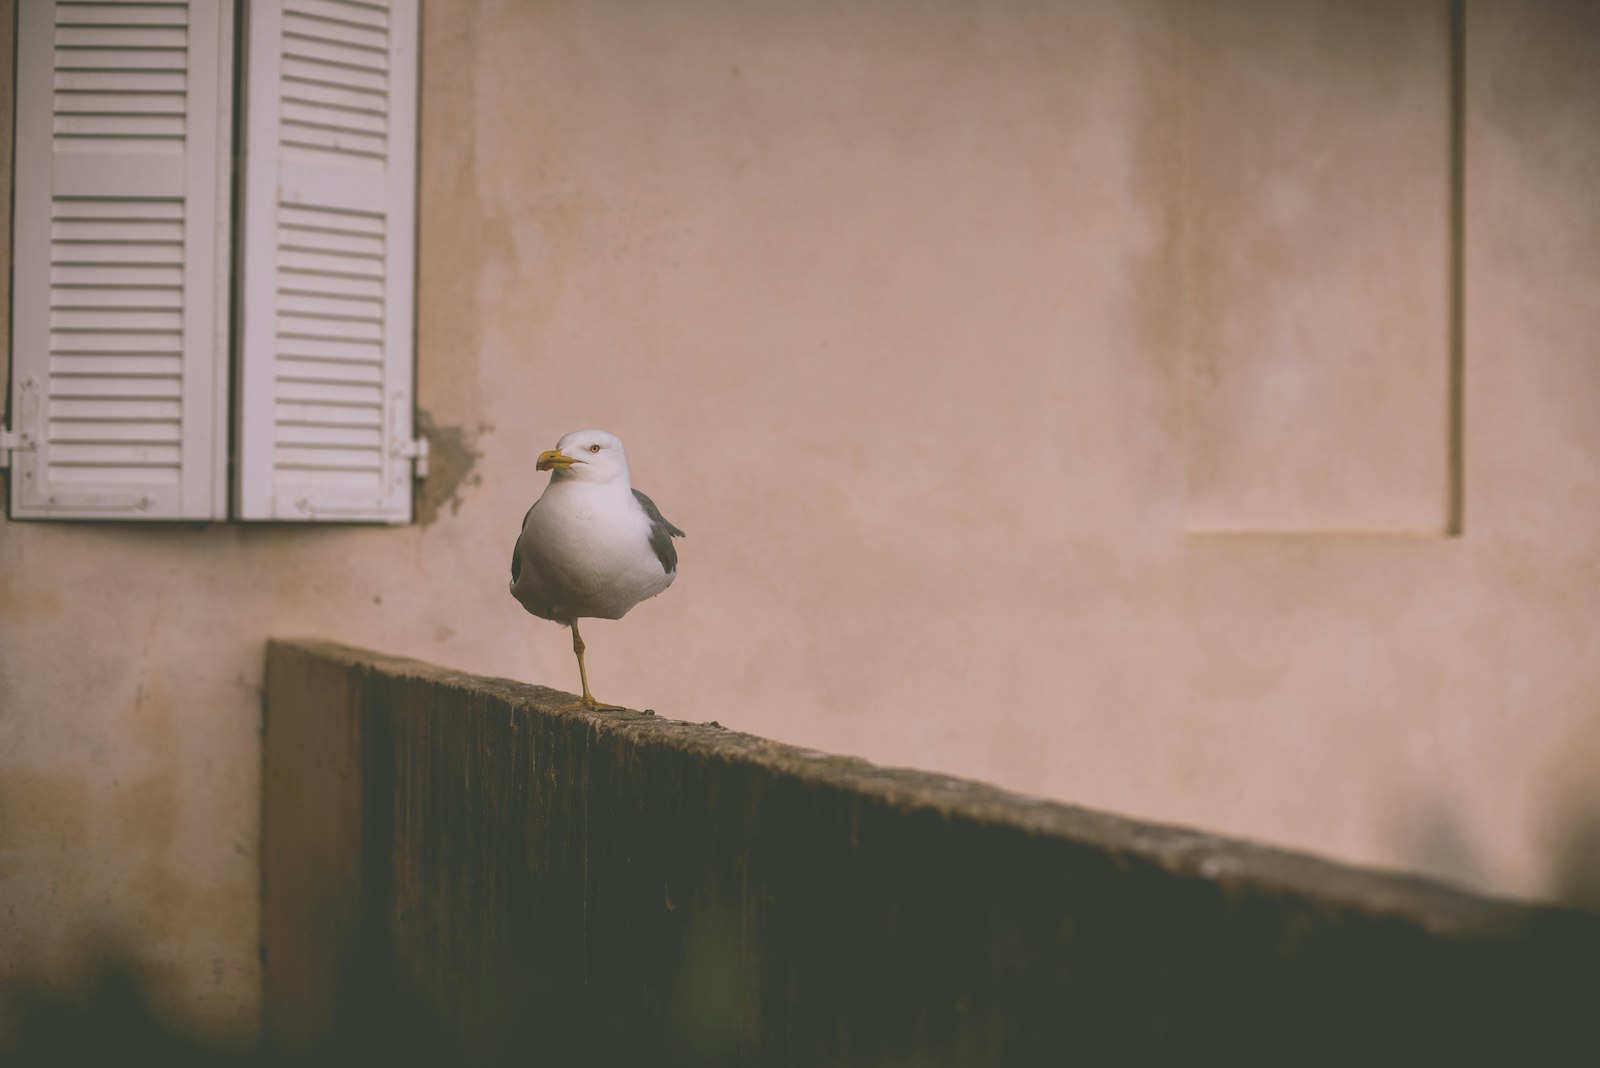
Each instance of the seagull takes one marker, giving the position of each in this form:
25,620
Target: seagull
591,546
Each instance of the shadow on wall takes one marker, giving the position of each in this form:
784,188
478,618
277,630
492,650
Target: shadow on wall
1431,836
104,1016
108,1013
1577,871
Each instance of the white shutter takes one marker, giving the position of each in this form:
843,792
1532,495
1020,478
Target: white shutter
120,259
325,409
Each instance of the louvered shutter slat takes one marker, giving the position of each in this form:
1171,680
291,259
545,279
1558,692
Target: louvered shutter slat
326,336
119,361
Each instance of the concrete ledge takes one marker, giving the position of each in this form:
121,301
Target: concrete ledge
451,869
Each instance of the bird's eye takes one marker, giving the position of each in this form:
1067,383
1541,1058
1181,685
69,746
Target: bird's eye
594,448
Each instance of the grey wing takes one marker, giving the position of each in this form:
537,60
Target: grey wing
661,534
516,557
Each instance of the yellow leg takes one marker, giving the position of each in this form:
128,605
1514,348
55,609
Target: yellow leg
583,675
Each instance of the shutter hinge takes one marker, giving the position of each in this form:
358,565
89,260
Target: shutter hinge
415,450
10,442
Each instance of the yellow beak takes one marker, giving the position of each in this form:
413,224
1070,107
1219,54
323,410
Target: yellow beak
552,460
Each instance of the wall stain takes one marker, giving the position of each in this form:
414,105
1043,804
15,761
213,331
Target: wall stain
453,456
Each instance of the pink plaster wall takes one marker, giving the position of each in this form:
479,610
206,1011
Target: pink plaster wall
1054,394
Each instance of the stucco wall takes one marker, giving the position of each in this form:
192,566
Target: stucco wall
1013,435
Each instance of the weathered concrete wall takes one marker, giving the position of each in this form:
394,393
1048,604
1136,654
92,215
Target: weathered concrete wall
455,866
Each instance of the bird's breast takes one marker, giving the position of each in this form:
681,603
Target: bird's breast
590,552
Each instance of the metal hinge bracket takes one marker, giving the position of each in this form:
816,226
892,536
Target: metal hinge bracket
416,451
10,442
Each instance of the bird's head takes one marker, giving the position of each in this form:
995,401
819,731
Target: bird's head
587,455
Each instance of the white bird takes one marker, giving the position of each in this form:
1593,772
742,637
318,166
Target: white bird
591,546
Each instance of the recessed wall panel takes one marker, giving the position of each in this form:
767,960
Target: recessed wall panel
1319,258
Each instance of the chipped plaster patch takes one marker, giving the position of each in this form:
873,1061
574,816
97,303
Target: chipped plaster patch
453,457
